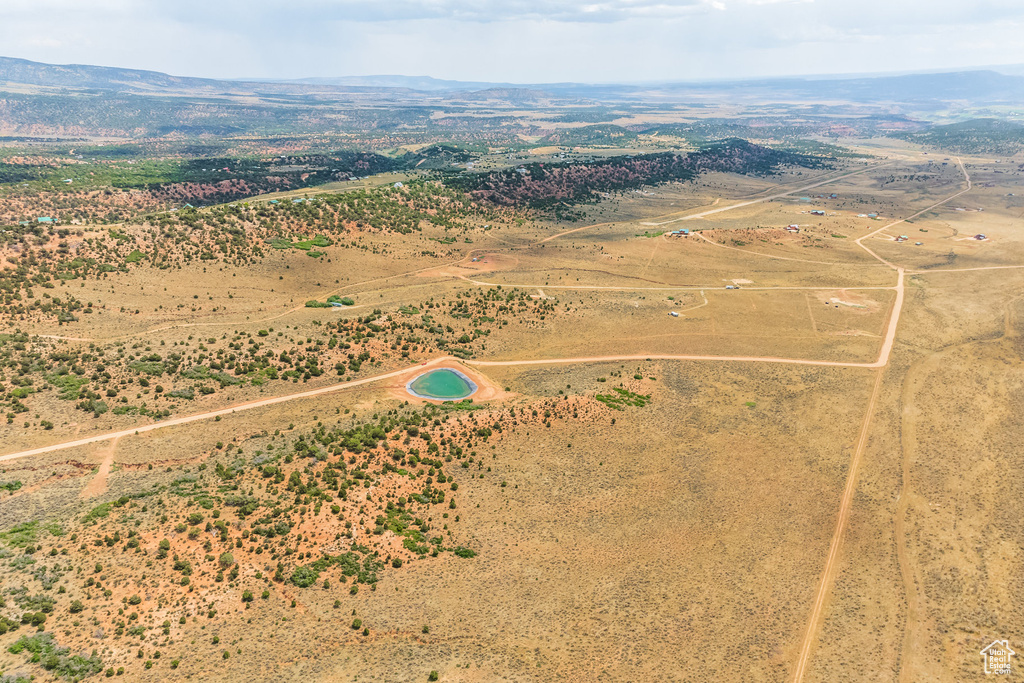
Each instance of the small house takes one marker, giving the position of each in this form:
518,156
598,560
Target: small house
673,314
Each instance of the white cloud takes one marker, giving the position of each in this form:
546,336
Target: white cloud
516,40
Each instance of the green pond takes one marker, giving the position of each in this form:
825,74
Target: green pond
442,385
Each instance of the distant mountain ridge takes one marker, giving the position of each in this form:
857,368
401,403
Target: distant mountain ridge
987,85
142,82
14,70
423,83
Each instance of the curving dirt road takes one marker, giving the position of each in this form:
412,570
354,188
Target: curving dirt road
860,240
828,573
882,360
831,566
222,411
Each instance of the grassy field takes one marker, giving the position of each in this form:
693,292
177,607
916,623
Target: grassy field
663,520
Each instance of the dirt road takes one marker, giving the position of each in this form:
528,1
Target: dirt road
882,360
709,212
769,198
860,240
173,422
828,573
98,484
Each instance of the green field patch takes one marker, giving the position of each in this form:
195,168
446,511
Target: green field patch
622,398
21,535
55,658
154,368
26,533
67,384
201,372
22,392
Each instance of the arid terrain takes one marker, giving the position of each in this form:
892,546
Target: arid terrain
744,410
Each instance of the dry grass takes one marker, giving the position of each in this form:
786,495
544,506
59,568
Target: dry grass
684,540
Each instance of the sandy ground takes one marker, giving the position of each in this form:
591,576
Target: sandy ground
484,263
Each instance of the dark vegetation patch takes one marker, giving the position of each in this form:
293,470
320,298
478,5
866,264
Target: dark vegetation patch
978,136
543,185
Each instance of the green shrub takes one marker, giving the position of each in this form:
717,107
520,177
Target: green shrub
303,577
56,659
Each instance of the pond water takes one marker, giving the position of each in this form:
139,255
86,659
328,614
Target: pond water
444,384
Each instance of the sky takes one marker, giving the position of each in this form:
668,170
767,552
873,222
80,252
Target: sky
519,41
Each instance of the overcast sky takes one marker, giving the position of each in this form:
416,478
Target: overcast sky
525,41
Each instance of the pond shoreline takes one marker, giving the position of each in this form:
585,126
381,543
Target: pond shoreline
473,388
